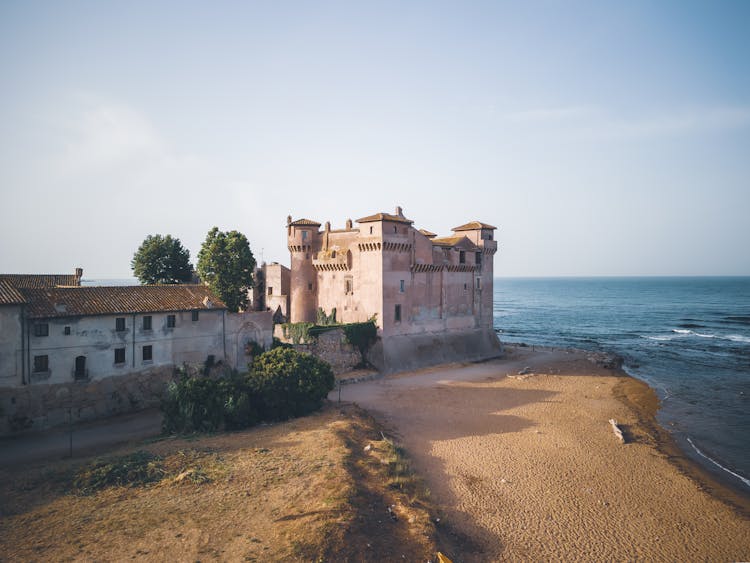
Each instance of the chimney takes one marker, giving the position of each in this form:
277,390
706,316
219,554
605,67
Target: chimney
79,275
399,211
349,224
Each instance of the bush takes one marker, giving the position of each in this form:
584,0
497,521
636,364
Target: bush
201,404
289,384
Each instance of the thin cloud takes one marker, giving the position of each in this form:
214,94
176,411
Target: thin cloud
591,122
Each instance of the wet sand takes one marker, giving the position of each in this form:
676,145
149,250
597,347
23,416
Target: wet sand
526,467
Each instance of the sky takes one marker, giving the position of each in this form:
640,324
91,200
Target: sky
601,138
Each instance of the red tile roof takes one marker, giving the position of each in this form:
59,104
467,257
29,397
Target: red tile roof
458,241
473,226
9,295
428,234
385,217
22,281
102,300
304,223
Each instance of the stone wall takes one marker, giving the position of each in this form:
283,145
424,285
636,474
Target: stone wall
330,346
37,407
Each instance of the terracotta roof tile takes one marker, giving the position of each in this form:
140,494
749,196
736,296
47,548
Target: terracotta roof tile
473,226
23,281
458,241
385,217
9,295
305,223
104,300
427,233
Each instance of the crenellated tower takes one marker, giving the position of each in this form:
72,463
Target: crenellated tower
303,241
482,235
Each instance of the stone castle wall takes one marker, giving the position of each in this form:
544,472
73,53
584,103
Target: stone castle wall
329,346
38,407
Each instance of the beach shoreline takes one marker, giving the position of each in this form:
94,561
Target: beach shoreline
520,458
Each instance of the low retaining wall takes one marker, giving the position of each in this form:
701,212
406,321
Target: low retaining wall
330,346
414,351
38,407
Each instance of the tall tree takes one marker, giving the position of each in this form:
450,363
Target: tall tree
162,259
226,264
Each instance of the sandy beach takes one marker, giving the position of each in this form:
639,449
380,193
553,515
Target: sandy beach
526,467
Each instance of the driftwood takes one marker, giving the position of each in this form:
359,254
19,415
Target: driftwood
616,429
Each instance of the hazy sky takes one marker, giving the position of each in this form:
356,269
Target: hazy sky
602,138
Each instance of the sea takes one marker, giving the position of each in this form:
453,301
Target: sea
688,338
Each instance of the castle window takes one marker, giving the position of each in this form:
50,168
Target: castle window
395,229
333,254
304,235
41,329
147,322
401,286
270,290
309,287
66,331
148,353
120,324
461,257
478,259
347,286
397,314
370,230
170,321
195,315
479,283
41,363
119,355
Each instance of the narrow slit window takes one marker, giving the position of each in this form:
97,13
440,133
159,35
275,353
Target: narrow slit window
397,314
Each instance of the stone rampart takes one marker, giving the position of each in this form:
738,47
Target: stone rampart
330,346
38,407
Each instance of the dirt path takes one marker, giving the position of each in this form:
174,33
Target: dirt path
527,468
87,438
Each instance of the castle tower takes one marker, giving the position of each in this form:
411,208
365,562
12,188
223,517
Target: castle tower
303,241
482,235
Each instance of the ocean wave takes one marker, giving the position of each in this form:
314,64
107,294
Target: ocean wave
691,325
739,319
717,464
738,338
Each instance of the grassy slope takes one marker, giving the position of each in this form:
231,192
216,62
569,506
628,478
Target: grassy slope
308,489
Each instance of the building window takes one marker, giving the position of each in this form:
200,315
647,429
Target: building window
195,315
397,314
170,321
333,254
147,322
41,329
120,324
304,235
148,353
66,331
479,283
309,287
395,229
119,355
478,259
270,290
347,286
401,286
41,364
461,257
466,287
370,230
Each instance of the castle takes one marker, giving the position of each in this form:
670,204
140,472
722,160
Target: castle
430,296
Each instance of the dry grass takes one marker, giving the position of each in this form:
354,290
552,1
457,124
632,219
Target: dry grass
305,490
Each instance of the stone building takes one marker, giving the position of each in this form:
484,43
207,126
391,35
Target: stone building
430,296
271,290
53,333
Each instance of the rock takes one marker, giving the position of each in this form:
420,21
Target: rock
525,371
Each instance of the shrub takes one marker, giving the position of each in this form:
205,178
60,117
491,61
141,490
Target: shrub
361,335
201,404
289,384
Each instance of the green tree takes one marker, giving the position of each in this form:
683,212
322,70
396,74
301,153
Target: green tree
226,264
162,259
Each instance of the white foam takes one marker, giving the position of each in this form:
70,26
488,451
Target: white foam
659,338
717,464
738,338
